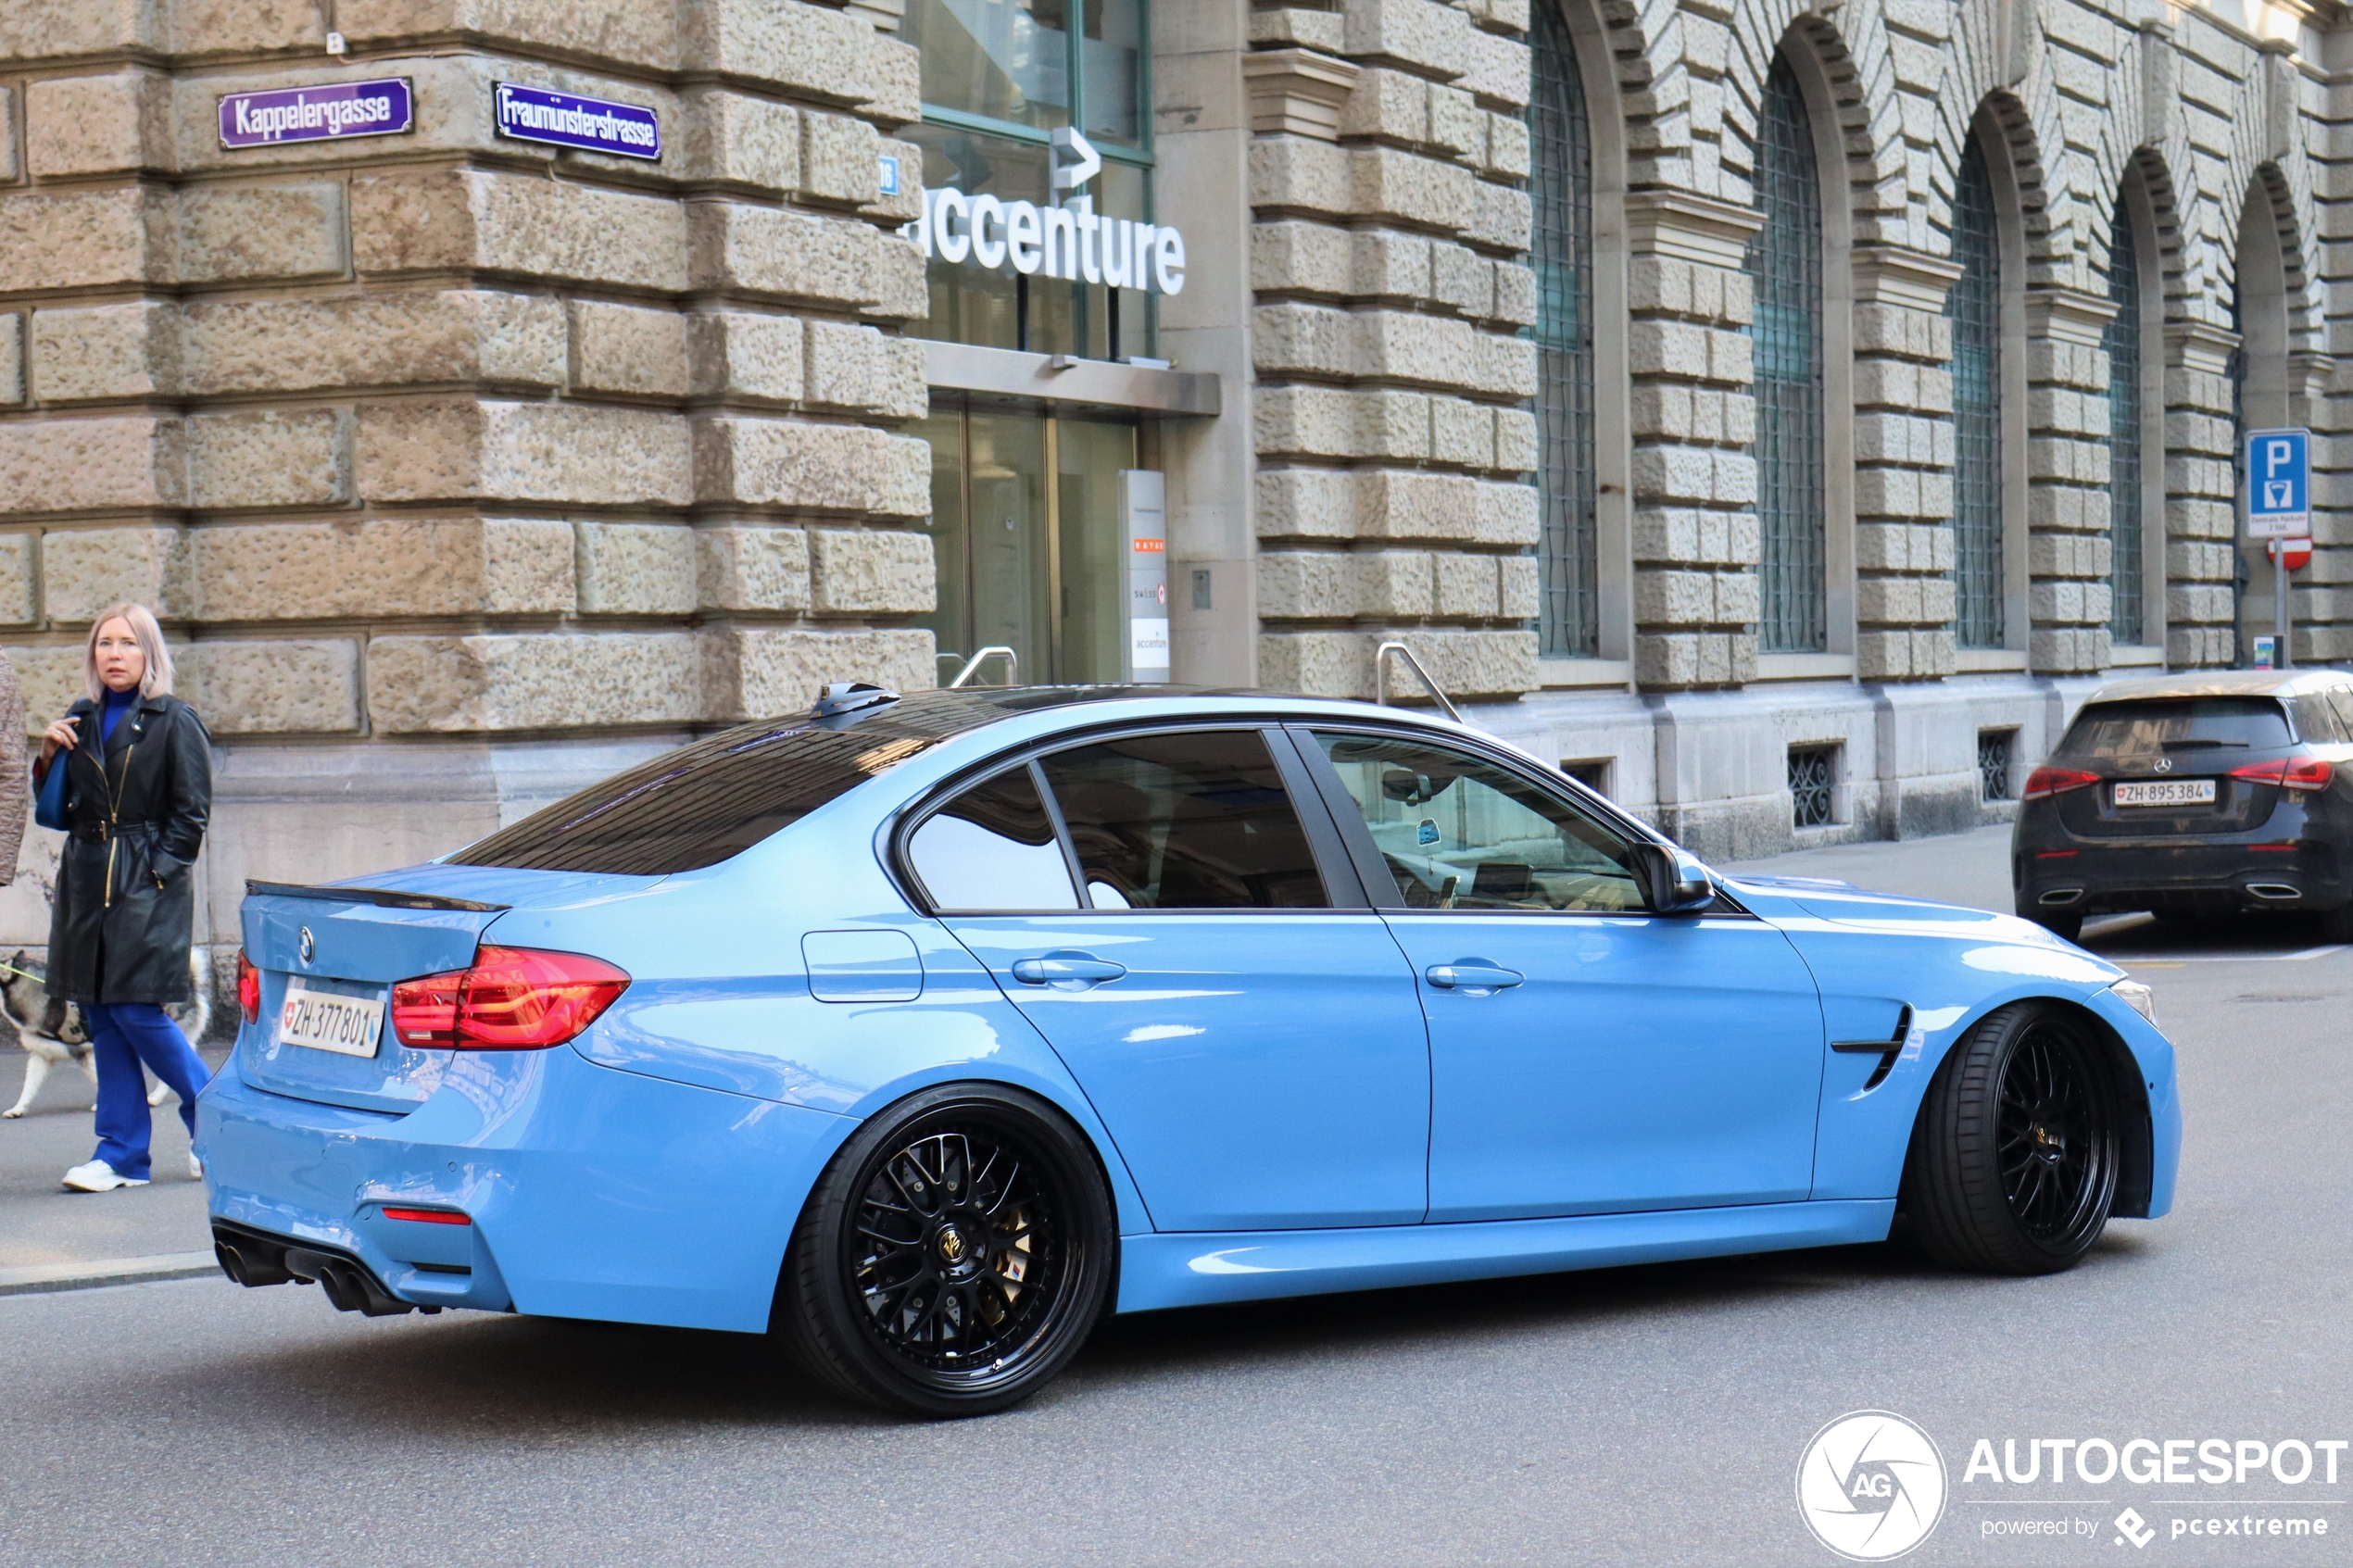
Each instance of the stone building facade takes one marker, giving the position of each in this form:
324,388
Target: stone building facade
463,467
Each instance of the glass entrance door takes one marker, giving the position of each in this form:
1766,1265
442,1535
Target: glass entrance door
1028,541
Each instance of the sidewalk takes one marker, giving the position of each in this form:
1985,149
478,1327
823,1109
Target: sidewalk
41,1224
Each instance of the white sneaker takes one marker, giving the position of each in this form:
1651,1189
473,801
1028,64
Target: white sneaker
99,1177
196,1165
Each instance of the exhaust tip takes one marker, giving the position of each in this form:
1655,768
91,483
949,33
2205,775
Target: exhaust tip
2060,896
2274,892
348,1287
249,1263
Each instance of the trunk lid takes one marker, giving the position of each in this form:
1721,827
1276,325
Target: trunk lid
2164,748
2239,805
336,950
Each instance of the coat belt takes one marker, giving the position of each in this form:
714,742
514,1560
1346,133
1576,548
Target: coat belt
98,832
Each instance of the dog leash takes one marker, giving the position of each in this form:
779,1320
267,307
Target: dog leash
23,975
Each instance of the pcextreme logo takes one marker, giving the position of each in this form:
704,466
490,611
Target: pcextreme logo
1870,1486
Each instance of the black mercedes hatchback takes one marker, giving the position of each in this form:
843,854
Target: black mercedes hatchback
2196,795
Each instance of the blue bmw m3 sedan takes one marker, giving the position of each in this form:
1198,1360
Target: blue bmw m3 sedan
921,1032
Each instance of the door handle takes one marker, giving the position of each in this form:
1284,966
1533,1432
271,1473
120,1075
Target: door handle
1067,971
1472,977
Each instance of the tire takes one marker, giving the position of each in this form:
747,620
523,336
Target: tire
953,1257
2014,1163
2066,927
2337,925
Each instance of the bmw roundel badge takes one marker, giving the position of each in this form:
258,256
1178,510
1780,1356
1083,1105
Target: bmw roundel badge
308,947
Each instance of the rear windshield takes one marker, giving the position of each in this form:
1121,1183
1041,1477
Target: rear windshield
2175,727
715,799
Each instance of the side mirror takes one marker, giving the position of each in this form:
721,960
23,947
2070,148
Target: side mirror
1674,882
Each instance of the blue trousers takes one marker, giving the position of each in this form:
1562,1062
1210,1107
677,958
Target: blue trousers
123,1034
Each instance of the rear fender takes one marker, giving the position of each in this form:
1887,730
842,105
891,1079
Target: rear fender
750,1023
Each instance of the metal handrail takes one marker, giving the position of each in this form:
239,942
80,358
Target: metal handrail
1013,666
1380,678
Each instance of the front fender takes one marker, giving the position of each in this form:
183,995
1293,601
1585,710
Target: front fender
1952,973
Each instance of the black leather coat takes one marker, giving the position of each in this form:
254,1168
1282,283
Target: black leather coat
125,908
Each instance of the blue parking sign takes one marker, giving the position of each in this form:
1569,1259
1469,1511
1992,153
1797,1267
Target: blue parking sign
2279,484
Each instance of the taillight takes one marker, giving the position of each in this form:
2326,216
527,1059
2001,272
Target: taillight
2056,781
248,988
2293,773
520,998
513,999
425,1011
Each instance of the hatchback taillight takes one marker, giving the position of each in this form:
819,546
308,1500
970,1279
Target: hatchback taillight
2293,773
513,999
2056,781
248,988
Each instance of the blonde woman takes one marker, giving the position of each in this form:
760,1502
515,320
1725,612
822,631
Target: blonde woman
138,791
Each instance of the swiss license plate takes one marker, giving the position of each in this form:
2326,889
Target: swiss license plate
2167,792
325,1020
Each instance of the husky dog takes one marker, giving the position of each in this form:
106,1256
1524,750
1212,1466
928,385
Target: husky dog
52,1031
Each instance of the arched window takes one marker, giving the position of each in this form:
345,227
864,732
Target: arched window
1560,181
1975,306
1785,259
2127,560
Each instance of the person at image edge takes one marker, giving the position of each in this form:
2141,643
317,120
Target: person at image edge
137,793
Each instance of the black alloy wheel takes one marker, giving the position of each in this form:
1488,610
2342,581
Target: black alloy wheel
953,1256
2013,1167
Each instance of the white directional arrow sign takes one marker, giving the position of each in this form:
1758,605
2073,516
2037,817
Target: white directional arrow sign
1075,160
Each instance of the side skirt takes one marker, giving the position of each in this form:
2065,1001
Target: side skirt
1196,1269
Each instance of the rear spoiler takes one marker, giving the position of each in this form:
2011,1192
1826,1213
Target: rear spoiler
388,897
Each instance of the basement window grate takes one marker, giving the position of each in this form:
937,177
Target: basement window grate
1993,749
1812,771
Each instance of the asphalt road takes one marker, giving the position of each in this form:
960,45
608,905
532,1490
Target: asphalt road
1636,1415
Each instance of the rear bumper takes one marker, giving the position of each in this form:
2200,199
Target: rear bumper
2084,876
592,1193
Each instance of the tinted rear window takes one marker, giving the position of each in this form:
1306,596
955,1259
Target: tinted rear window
2175,726
1193,820
706,802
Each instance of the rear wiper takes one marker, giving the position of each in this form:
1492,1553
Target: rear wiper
2190,745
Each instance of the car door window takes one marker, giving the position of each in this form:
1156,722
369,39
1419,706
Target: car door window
1195,819
993,848
1457,832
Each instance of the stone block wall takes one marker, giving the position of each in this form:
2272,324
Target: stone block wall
1696,534
2068,548
1390,412
446,435
1903,544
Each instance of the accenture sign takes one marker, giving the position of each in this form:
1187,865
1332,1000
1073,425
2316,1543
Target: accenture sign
1071,241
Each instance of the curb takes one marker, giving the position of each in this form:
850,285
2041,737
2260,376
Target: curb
38,1277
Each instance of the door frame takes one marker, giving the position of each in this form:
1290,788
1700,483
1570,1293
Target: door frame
1326,838
1372,872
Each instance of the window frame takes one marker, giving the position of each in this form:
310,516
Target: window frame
1372,872
1984,138
1343,891
1142,156
1075,46
1612,665
1781,577
1569,630
2138,234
